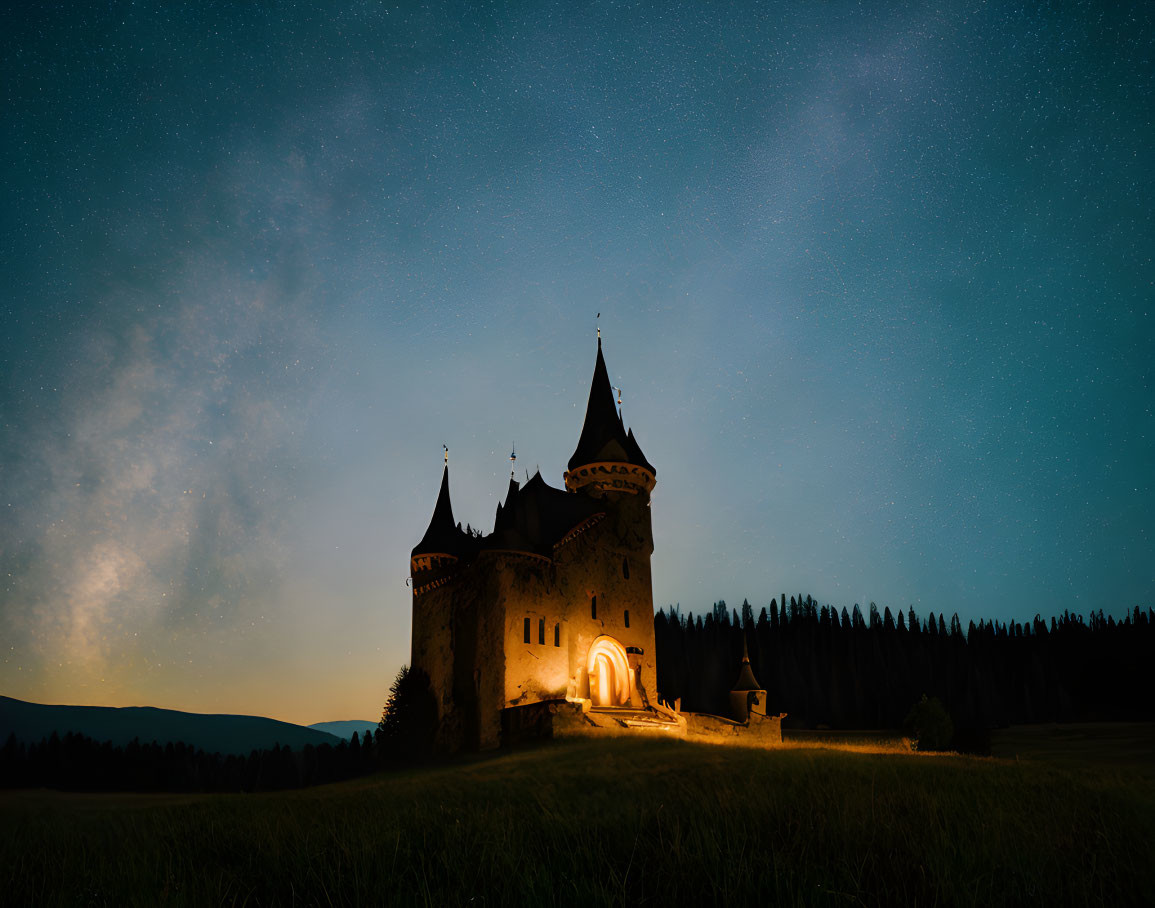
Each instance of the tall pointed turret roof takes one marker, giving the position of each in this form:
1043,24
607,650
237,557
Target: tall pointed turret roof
443,536
604,436
746,679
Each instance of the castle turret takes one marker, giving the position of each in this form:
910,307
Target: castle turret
608,458
614,609
433,559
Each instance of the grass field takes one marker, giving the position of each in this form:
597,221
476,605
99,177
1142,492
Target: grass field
612,822
1097,747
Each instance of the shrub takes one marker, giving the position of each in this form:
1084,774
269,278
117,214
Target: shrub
930,724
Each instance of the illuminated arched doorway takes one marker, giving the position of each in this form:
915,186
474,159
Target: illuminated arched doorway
609,672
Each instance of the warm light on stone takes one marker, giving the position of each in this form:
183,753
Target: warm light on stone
609,672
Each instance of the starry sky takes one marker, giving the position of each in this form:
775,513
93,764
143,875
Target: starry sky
876,281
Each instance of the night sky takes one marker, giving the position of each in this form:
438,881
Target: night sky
876,283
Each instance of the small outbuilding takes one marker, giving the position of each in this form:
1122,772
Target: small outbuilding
747,696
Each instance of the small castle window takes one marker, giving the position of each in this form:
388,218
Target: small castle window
627,617
527,630
541,631
626,570
593,606
557,635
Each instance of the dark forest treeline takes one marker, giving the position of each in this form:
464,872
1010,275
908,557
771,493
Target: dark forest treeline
75,762
844,670
821,667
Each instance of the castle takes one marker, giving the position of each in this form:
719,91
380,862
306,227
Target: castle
547,623
555,604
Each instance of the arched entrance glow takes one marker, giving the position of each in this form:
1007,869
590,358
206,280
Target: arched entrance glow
609,673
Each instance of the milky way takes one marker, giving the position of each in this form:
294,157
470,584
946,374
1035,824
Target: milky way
875,281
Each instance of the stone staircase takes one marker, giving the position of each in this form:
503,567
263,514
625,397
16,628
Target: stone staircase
650,719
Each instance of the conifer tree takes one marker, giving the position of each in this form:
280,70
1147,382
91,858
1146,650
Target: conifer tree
747,615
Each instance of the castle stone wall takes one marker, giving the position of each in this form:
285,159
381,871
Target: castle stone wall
457,641
536,670
596,564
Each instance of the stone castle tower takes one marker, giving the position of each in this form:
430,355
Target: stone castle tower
555,604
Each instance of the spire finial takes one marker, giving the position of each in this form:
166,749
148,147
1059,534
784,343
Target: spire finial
513,460
599,324
446,447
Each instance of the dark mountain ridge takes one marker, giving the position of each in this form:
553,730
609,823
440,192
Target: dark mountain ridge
219,733
345,728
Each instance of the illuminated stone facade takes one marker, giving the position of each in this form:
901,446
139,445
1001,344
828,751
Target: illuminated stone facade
555,604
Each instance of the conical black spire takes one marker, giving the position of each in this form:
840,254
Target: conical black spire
603,437
746,679
443,537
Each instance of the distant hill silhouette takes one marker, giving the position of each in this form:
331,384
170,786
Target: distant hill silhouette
346,727
226,734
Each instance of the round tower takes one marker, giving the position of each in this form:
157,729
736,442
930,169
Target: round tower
612,605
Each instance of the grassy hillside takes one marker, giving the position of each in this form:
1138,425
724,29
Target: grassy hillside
609,822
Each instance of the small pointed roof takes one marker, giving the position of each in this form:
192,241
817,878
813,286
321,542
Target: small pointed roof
505,533
535,517
511,492
443,536
604,437
746,679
